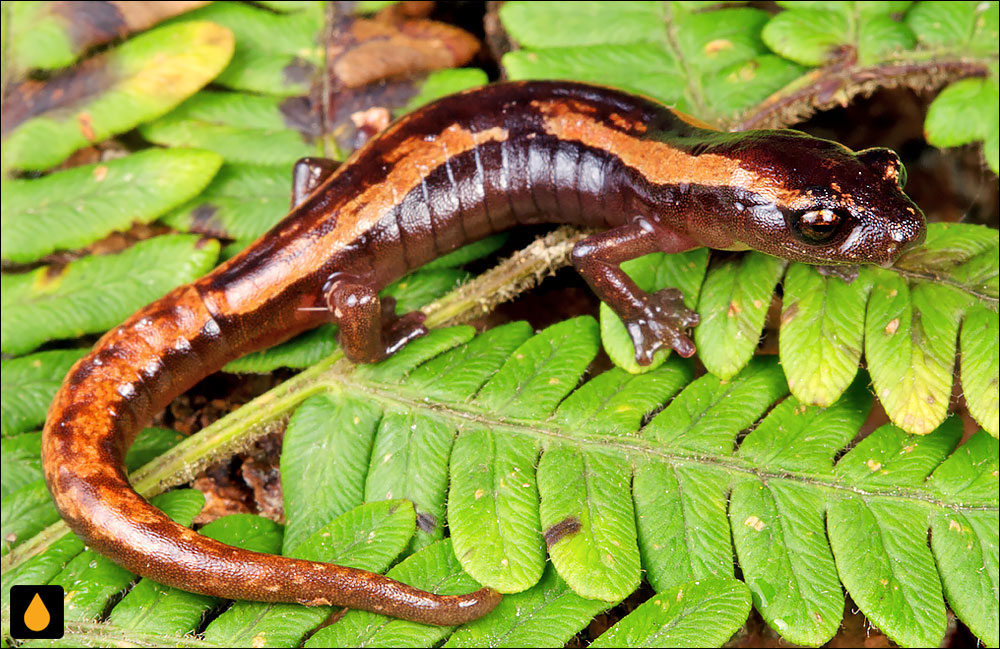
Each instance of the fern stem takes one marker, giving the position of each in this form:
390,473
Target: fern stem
521,272
395,397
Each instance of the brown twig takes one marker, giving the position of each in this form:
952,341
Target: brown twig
838,84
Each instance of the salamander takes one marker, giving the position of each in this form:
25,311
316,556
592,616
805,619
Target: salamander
459,169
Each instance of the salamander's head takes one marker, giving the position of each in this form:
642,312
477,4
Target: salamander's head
816,201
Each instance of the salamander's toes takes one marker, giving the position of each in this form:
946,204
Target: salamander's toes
397,332
661,323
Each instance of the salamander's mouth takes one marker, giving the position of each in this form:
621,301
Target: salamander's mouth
893,252
904,239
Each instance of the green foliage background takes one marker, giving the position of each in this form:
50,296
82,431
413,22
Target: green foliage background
589,484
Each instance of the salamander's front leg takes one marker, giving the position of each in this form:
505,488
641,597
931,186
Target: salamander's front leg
369,329
653,321
307,175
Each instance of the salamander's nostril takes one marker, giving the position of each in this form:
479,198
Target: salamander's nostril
902,240
898,239
918,240
915,239
906,236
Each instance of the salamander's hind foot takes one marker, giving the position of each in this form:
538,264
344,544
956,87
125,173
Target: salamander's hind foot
397,331
369,328
660,323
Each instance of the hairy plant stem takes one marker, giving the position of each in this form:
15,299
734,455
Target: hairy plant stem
837,84
91,634
521,272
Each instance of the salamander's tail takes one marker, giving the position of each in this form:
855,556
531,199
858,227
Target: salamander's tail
134,371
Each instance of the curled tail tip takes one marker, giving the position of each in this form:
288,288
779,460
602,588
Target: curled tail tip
448,610
486,599
467,608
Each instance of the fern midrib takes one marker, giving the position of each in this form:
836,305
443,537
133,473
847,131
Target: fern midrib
592,530
528,380
248,630
682,433
661,636
670,39
35,385
498,519
398,397
525,616
372,631
608,397
830,332
687,528
59,294
904,585
944,280
153,611
784,516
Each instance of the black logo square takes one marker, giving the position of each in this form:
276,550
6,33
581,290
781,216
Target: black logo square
36,612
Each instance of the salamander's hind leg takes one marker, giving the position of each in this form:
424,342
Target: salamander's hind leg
653,320
369,329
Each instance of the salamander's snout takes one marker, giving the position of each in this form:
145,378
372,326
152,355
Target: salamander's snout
918,240
887,207
901,236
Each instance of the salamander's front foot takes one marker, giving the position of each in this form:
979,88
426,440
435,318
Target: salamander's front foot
661,324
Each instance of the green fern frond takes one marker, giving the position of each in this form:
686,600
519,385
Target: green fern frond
906,320
614,481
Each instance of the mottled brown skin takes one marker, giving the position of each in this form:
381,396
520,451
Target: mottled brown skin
448,174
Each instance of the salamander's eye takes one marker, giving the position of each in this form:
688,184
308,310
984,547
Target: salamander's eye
816,226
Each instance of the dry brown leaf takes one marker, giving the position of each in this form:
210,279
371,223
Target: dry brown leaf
371,50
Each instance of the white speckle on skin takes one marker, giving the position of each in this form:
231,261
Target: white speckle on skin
211,329
152,367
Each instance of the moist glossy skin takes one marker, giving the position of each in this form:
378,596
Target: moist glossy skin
448,174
